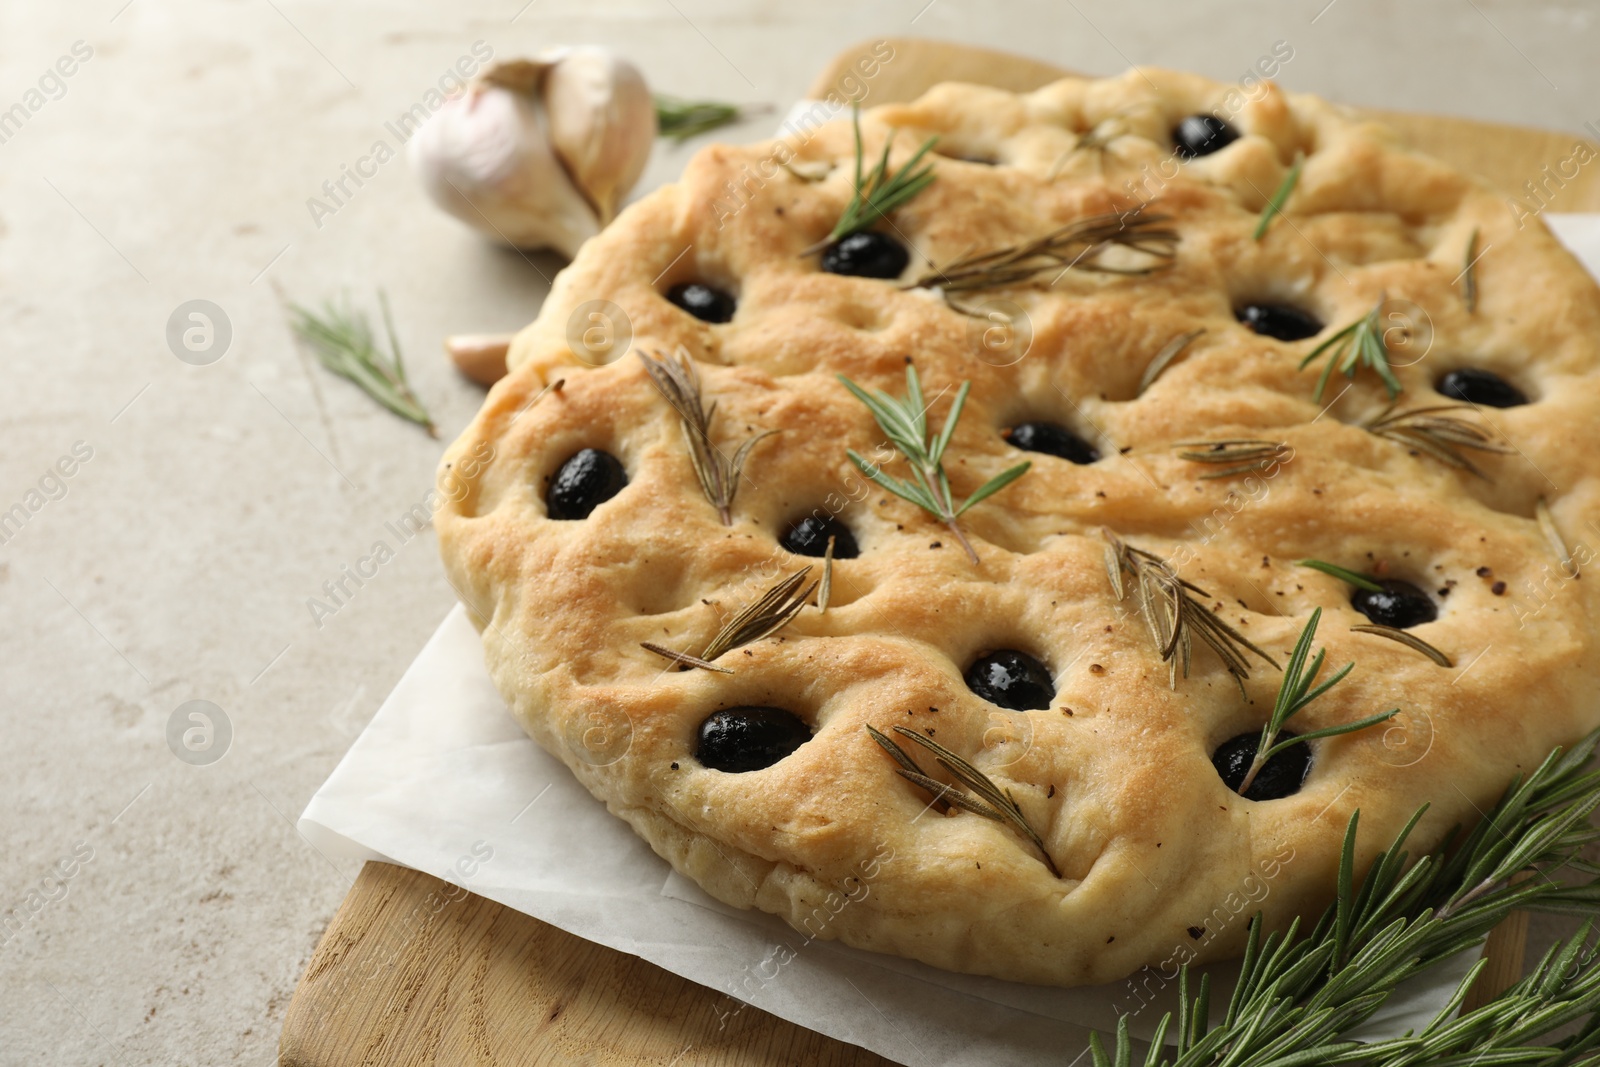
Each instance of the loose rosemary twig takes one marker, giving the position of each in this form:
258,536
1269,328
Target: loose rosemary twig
1299,991
988,799
342,340
774,610
1241,455
1294,693
905,422
680,119
1360,344
1075,246
1171,613
1552,533
1439,435
880,191
679,383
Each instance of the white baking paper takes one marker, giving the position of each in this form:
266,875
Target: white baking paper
445,781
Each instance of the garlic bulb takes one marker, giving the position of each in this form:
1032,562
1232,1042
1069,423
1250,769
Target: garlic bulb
539,153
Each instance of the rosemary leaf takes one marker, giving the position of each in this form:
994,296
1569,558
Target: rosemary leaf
1171,613
1410,640
1360,581
1441,436
678,382
1240,455
1547,524
988,799
1360,344
905,423
1295,692
343,342
680,119
1075,246
768,614
827,576
880,191
1279,198
683,658
1469,274
1169,352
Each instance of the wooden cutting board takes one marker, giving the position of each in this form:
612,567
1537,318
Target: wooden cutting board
413,971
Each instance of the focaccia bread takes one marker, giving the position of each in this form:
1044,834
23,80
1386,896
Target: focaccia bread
576,528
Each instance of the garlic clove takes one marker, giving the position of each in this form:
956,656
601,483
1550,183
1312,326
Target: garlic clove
479,356
486,157
602,122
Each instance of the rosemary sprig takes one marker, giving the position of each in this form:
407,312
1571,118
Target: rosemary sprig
768,614
1441,436
1075,246
1241,455
1169,352
1360,344
680,119
1469,274
1360,581
1411,641
1096,140
343,342
988,799
1299,991
678,381
1171,613
1294,693
1279,198
905,422
1547,525
880,191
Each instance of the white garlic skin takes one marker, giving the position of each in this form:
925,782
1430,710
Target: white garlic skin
486,157
602,122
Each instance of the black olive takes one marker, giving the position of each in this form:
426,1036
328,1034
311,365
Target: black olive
702,301
583,483
1283,774
1476,386
1201,135
1400,604
1279,320
1052,440
809,537
866,255
1012,680
737,740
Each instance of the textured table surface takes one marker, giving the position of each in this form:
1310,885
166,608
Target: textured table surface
157,909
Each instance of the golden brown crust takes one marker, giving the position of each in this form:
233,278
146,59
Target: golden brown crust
1116,776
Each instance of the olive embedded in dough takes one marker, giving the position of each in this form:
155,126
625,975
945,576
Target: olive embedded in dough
585,481
1280,776
866,255
1279,321
744,739
704,302
1398,604
809,537
1011,679
1201,135
1474,386
1053,440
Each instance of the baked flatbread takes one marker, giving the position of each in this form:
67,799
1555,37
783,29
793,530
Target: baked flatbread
1157,860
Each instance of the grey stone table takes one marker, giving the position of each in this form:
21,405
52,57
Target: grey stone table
178,513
